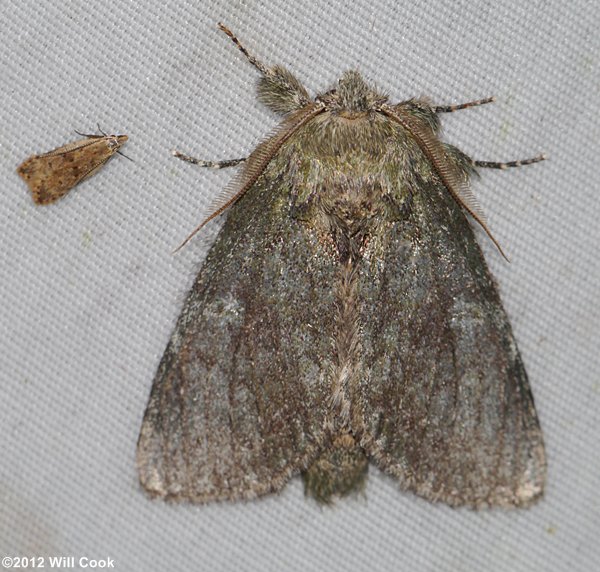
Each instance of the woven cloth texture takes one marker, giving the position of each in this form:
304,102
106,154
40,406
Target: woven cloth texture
90,289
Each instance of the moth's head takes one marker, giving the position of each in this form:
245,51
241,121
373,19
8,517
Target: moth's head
116,141
280,91
352,94
283,93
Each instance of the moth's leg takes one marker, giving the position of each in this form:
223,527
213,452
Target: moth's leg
452,108
278,89
497,165
258,65
208,164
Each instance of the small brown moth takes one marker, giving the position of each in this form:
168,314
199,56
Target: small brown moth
52,175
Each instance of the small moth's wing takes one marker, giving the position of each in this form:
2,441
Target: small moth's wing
52,175
240,398
48,178
444,404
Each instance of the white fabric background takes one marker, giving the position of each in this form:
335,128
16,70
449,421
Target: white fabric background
90,289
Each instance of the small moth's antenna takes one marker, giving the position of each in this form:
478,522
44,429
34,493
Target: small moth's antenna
103,134
90,135
260,67
94,136
126,157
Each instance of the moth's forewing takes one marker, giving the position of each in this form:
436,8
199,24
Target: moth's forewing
48,178
444,400
241,395
52,175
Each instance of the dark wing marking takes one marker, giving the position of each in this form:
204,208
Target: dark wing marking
240,397
444,404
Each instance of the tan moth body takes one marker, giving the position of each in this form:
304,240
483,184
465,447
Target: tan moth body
52,175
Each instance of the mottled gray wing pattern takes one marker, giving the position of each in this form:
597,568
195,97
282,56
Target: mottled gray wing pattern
444,403
240,397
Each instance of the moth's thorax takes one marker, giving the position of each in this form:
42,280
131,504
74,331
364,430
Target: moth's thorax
354,144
